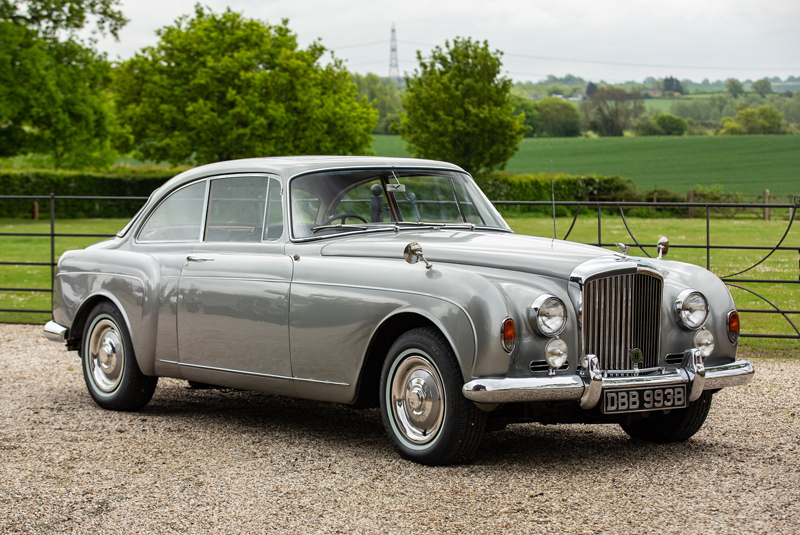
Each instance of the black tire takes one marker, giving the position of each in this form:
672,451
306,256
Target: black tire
438,425
677,426
112,375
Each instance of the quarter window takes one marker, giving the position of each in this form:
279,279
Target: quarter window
178,218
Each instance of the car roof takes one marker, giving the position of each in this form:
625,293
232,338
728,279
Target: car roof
289,166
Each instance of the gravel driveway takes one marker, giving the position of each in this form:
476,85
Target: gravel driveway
200,461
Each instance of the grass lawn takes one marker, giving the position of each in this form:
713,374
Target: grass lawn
782,265
741,164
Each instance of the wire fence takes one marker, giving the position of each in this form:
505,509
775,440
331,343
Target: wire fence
602,208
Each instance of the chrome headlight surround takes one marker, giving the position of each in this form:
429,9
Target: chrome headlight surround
544,316
691,309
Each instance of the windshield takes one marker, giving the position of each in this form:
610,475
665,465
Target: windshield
329,202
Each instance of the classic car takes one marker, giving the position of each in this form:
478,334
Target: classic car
392,283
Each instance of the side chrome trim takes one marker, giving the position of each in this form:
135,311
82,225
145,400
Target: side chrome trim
55,332
254,374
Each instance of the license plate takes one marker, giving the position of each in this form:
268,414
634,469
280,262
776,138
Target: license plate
644,399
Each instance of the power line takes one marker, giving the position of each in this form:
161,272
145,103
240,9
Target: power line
623,64
593,62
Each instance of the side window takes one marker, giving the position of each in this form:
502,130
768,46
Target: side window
178,218
236,209
274,228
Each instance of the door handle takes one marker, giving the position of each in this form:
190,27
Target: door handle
198,259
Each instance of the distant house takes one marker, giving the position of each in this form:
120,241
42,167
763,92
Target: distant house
652,91
578,97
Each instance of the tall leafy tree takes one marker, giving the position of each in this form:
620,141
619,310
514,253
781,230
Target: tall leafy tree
734,87
612,110
559,118
51,16
52,85
222,86
457,108
763,87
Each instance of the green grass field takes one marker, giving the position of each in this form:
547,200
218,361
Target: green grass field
783,265
741,164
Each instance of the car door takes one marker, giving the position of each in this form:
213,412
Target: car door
233,296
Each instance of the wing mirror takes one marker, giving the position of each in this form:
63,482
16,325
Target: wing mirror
662,246
413,254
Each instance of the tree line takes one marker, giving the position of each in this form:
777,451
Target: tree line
220,86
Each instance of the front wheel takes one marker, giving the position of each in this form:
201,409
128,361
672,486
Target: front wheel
112,375
677,426
426,416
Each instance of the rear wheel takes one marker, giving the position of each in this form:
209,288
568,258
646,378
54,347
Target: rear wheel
677,426
112,375
424,412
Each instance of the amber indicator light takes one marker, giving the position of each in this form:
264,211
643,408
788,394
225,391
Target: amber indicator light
509,330
733,326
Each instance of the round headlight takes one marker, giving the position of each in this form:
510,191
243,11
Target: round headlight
704,341
555,353
548,315
691,309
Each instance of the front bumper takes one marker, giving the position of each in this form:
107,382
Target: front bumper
55,332
588,386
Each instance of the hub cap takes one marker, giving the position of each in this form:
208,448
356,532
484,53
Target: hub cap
417,399
105,354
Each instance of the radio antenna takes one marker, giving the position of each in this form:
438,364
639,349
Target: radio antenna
553,189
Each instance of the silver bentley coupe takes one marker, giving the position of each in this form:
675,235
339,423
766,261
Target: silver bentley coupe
392,283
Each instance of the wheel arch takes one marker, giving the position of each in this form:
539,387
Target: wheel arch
394,325
144,354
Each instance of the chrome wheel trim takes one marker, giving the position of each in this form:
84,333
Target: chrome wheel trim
416,397
105,354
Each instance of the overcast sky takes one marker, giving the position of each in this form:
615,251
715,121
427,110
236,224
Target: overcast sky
613,40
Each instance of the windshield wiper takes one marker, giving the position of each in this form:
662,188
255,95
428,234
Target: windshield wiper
342,226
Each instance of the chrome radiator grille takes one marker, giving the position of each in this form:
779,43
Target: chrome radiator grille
622,312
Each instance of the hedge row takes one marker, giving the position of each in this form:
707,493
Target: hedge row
45,182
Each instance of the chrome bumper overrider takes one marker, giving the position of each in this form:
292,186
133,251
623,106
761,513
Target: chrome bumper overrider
588,386
55,332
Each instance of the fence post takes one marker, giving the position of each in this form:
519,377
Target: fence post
690,199
766,204
52,247
599,228
35,210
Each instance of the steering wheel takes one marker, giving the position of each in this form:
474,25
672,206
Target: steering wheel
343,217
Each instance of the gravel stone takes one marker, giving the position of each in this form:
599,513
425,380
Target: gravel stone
209,461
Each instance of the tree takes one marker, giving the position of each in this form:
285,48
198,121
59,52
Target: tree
591,87
670,124
457,108
530,108
765,119
673,85
221,86
53,88
763,87
51,16
612,110
734,87
559,118
384,96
